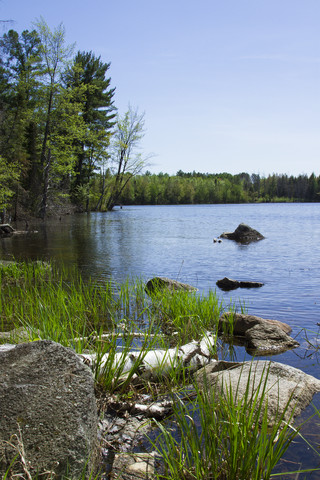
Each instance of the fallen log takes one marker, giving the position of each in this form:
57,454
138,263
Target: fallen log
159,362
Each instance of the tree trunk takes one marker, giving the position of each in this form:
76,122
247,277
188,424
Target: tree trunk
43,207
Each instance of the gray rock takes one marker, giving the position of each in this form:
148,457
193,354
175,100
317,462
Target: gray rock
47,404
230,284
288,390
243,234
264,339
260,336
139,466
158,283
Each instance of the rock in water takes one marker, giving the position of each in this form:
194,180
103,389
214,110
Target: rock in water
260,336
48,405
159,283
243,234
227,284
238,323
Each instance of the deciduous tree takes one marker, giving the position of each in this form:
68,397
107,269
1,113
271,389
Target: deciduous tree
55,55
126,159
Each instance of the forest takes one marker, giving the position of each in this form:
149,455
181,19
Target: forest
199,188
64,148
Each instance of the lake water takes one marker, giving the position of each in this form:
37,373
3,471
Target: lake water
177,242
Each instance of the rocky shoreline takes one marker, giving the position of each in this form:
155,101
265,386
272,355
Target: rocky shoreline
113,440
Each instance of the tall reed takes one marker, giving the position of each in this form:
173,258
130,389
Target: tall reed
215,437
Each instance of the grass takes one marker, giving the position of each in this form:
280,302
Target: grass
61,307
214,437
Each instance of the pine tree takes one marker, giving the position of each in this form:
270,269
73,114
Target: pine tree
89,73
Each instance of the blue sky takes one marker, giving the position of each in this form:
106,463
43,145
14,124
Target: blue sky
226,85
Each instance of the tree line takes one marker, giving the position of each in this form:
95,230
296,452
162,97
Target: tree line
64,147
199,188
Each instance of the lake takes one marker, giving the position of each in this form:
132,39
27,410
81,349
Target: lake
177,242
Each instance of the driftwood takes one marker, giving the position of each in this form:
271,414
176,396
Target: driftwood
160,362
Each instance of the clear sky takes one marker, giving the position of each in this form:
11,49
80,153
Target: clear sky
226,85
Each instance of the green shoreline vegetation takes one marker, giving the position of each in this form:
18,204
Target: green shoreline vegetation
232,442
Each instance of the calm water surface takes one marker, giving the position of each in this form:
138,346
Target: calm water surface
177,242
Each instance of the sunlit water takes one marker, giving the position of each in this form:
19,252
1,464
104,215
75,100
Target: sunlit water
177,242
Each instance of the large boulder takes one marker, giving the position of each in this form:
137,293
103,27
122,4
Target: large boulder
243,234
259,335
48,410
281,388
159,283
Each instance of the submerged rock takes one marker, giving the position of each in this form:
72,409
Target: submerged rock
48,405
159,283
243,234
282,389
230,284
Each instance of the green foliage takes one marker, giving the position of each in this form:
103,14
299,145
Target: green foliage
186,315
88,72
9,174
199,188
56,116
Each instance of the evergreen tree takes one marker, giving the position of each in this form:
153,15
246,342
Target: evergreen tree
89,73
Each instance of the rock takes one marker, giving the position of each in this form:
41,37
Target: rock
244,284
230,284
238,323
48,405
284,384
134,466
260,336
158,283
264,339
243,234
6,230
